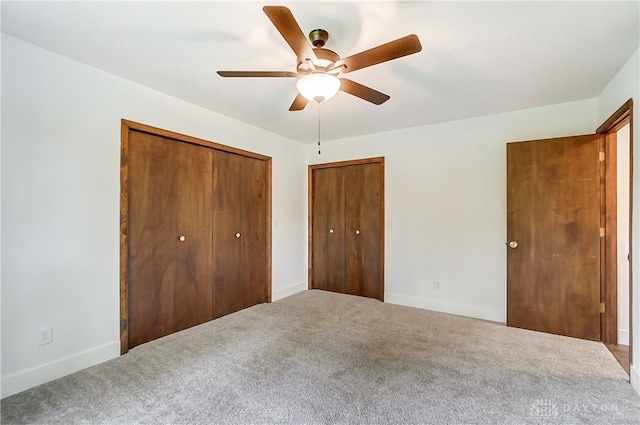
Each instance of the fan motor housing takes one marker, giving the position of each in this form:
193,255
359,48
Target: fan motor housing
326,60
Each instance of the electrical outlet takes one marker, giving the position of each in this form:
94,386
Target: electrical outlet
436,285
45,335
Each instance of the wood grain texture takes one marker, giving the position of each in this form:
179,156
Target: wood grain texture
240,232
299,103
132,125
363,92
553,213
609,244
227,281
345,198
171,176
169,279
620,118
621,353
286,24
269,230
124,241
193,221
378,160
404,46
328,227
363,230
254,228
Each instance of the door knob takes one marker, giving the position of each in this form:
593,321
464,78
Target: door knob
357,232
182,239
330,230
513,244
238,235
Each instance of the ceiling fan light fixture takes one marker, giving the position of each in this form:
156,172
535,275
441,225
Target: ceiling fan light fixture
318,86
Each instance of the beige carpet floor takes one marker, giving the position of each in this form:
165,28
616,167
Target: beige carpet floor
323,358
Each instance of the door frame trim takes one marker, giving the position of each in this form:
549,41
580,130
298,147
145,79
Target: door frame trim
380,160
608,282
126,127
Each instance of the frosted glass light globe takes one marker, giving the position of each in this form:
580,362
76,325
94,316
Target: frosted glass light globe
318,87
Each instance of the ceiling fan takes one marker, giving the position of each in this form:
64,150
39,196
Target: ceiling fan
318,68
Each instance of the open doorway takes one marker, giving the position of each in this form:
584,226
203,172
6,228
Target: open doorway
616,173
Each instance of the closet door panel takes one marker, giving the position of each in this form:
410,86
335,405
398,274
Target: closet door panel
328,237
254,224
152,257
226,213
164,296
364,230
193,214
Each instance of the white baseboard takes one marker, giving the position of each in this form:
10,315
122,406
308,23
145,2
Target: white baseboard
623,337
634,378
289,290
494,315
38,375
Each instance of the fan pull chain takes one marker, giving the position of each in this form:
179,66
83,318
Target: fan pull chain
318,128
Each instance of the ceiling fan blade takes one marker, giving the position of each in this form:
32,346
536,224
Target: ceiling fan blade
299,103
385,52
363,92
287,25
257,74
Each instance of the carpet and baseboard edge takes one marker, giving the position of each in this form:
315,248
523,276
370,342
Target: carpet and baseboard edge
493,315
23,380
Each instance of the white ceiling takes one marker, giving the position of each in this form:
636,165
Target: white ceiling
478,58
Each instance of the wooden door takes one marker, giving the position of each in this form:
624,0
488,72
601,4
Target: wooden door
240,226
254,226
346,216
553,216
328,229
363,230
226,211
183,200
169,187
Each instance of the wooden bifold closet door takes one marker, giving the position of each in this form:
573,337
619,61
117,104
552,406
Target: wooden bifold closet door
346,227
170,198
239,229
195,232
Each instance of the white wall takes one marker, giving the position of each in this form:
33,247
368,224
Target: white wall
624,86
445,203
445,200
60,205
